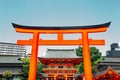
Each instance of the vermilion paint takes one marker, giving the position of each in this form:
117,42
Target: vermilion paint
85,42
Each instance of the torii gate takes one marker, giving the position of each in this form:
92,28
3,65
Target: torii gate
60,30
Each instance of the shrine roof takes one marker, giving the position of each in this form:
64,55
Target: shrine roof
60,27
101,73
111,59
9,59
110,64
61,53
109,70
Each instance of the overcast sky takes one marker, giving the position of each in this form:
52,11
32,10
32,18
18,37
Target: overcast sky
60,13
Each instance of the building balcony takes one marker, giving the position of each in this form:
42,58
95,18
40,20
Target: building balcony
60,70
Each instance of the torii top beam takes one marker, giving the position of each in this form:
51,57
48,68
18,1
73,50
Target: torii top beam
60,30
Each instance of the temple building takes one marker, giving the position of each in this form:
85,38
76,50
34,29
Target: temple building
10,63
108,74
111,59
10,54
60,64
109,68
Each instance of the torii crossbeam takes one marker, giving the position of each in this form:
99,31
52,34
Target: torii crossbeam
60,31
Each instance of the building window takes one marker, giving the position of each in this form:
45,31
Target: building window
60,66
51,66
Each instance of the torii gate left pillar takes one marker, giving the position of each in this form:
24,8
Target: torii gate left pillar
85,42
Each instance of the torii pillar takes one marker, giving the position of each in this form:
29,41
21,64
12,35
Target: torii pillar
60,30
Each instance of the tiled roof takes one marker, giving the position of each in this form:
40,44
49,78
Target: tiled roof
9,59
111,59
109,70
61,53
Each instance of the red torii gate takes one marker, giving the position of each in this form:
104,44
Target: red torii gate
60,30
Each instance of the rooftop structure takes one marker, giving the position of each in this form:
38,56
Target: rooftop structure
12,49
112,58
108,74
114,52
10,54
60,64
110,66
10,63
61,53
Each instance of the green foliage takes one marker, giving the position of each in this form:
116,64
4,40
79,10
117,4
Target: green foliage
40,67
96,57
81,68
79,51
2,79
7,75
25,69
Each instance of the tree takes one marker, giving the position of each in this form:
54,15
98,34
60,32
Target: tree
96,57
25,69
40,67
7,75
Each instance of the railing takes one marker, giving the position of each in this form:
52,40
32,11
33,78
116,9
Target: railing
60,70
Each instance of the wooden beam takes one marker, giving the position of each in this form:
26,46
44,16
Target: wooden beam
91,30
60,42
